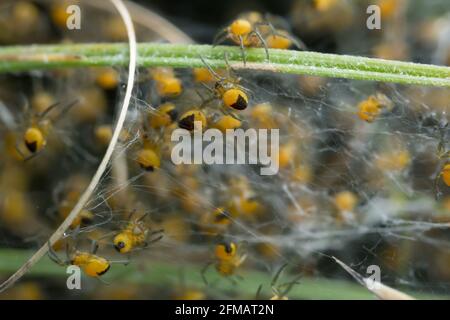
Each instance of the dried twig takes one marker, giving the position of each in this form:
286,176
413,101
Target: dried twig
380,290
105,161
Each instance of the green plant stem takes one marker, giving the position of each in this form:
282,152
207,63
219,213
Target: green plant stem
25,58
163,274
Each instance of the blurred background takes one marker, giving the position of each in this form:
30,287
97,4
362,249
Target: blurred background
368,192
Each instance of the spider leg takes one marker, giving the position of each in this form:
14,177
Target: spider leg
241,260
275,291
49,109
94,247
26,158
157,231
153,241
295,41
124,262
264,43
277,275
54,256
106,235
202,98
200,95
241,43
64,110
258,292
102,281
231,114
220,37
143,216
26,105
290,285
211,70
232,73
75,232
445,154
267,22
299,44
67,253
134,210
20,151
57,192
208,100
227,62
32,156
208,88
205,102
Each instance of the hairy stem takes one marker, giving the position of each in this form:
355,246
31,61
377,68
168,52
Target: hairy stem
24,58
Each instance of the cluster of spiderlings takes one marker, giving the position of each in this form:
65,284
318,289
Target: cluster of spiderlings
364,168
253,29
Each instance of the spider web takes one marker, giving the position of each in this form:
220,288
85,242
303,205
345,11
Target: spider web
391,166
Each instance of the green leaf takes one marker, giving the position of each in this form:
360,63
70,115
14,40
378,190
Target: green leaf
159,273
